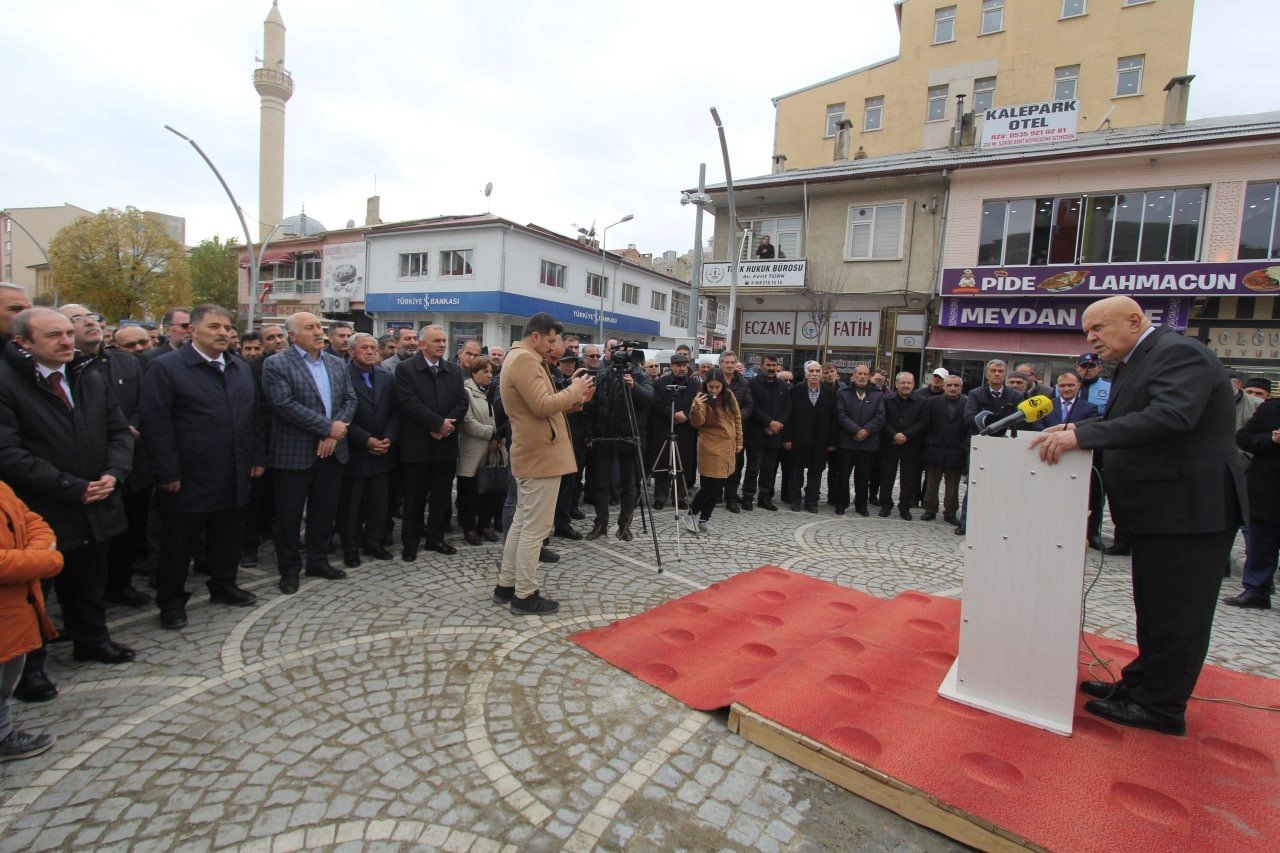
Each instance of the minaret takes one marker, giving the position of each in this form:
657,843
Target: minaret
275,85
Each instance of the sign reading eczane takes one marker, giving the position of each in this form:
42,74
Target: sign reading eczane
1027,124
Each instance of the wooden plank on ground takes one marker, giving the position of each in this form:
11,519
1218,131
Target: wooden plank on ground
913,804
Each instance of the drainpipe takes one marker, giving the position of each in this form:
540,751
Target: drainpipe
937,269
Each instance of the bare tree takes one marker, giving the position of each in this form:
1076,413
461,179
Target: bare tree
820,295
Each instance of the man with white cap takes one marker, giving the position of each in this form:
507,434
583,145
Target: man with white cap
934,388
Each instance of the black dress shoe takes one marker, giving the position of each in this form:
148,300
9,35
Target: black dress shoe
1132,714
1250,600
489,535
102,651
442,548
409,554
960,530
126,595
885,512
351,559
950,519
173,618
232,595
1094,542
794,507
288,584
929,516
733,506
906,514
327,572
568,533
658,504
767,505
577,514
34,685
1105,690
378,552
746,506
546,555
624,533
1118,550
863,513
873,501
840,510
472,538
810,509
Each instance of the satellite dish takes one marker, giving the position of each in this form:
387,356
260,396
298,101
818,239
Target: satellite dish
351,223
488,189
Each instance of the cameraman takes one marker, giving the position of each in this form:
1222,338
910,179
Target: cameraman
612,436
675,393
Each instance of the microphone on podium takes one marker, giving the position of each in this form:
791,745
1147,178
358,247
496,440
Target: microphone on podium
1029,411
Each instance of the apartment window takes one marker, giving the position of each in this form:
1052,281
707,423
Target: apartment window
875,232
1064,82
783,232
1073,8
552,275
630,294
992,16
309,274
8,246
936,109
413,265
8,272
679,309
456,262
658,300
835,112
984,94
722,314
1151,226
1129,75
594,288
1260,230
873,113
944,25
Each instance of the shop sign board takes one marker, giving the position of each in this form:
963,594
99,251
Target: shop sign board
1237,278
1046,314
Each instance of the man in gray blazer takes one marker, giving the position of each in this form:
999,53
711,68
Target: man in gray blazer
312,401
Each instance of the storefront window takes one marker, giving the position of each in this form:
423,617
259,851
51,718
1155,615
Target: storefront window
1155,226
1188,211
1095,238
1260,230
1128,227
1064,231
463,332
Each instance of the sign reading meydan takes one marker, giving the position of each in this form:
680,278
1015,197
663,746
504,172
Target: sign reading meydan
777,273
1027,124
1047,314
1245,278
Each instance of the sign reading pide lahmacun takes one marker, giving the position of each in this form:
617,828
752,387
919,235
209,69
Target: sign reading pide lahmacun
1243,278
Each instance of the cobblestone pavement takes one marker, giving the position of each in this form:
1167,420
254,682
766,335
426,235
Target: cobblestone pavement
401,709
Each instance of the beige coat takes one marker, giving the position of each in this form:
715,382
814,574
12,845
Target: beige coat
719,436
540,442
477,430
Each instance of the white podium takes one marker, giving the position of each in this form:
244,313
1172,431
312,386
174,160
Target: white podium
1023,580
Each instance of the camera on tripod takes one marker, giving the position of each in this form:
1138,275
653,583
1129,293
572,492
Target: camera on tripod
621,360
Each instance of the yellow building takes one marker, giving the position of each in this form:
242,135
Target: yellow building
1114,56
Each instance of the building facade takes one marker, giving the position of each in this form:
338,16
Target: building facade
22,254
1112,56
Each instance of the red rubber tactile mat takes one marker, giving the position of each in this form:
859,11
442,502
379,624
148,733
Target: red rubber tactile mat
861,674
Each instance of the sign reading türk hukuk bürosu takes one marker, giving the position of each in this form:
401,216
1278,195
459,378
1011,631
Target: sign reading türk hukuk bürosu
1027,124
1246,278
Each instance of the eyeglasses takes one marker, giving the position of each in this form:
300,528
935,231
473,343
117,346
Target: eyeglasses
181,325
592,355
131,344
80,318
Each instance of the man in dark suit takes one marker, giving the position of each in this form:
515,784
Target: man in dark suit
1260,437
312,402
1176,484
433,401
905,422
860,420
672,401
986,404
339,340
375,430
65,448
176,328
762,434
1070,407
809,435
946,450
205,445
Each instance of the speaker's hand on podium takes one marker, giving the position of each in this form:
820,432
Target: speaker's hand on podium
1054,442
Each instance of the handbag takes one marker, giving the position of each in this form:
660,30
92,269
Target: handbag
491,476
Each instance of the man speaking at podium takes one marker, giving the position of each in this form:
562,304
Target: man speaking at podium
1175,482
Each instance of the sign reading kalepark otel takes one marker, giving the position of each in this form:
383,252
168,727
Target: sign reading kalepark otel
1239,278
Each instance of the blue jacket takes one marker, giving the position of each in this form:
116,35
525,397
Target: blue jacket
1098,393
202,430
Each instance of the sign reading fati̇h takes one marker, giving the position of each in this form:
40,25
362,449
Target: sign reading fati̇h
1026,124
1246,278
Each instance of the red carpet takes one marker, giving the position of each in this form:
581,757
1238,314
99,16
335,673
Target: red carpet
860,675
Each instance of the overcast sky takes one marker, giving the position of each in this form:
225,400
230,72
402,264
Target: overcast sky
576,111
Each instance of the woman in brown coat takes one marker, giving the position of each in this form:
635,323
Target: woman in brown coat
28,554
716,417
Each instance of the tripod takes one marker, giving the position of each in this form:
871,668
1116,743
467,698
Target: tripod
646,521
675,470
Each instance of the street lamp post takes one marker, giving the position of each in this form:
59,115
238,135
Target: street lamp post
733,231
248,240
24,230
604,242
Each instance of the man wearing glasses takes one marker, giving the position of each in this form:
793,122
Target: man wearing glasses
124,374
176,327
133,340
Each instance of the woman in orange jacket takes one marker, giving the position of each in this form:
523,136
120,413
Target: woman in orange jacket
28,554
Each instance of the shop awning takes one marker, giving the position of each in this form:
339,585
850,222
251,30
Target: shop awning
1003,341
270,258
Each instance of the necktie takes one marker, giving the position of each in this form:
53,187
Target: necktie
55,382
368,380
435,369
222,366
1066,410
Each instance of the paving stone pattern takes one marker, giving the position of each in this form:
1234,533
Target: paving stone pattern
400,709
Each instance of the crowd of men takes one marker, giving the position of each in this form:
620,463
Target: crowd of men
153,457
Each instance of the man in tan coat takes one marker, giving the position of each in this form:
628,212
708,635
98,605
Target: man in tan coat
541,453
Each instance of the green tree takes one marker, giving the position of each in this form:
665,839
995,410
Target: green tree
122,263
215,273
